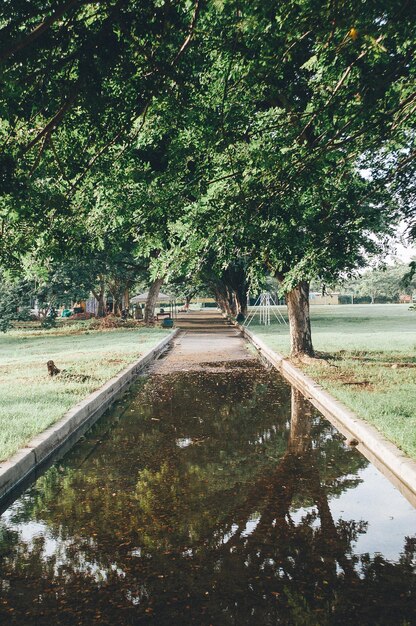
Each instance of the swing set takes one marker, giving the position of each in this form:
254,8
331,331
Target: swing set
265,305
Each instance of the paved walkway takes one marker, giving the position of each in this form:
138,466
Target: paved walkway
205,341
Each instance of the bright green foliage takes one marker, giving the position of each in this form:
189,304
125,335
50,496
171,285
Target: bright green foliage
293,123
266,136
76,81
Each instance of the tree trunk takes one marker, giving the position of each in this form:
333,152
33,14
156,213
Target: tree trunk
149,309
242,302
113,295
232,301
218,300
222,299
299,321
126,298
235,278
99,296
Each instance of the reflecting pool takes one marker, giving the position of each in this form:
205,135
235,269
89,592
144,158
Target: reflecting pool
218,497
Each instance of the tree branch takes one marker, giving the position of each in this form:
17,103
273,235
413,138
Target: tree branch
136,134
53,122
41,150
197,8
58,160
39,30
109,143
333,94
95,158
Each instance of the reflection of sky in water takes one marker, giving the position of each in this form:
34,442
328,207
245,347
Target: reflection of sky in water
250,527
30,532
374,500
390,516
184,442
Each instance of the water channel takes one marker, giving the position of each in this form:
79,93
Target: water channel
210,497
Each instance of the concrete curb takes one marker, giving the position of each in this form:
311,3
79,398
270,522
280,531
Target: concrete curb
392,462
76,420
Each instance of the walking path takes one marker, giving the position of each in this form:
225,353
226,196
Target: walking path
206,341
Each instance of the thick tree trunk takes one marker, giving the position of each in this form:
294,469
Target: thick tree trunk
299,321
114,296
235,279
115,291
222,298
221,302
149,309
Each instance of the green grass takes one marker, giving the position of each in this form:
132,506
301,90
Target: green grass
31,400
361,343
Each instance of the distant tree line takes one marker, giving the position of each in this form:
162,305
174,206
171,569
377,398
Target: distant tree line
380,285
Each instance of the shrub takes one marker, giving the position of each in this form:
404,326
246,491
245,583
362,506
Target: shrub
24,315
111,321
81,316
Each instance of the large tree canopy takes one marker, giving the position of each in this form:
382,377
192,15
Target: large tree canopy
220,139
77,80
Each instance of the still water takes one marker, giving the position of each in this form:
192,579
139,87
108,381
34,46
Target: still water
216,498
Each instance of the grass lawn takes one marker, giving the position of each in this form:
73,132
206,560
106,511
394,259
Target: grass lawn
30,400
361,344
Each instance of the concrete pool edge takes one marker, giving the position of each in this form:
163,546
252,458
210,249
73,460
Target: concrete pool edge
399,468
17,468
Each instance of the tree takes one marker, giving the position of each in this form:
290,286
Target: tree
14,301
307,155
388,282
286,151
77,82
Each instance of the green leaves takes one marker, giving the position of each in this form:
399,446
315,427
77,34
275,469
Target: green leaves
189,137
311,63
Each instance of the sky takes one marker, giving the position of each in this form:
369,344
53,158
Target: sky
403,251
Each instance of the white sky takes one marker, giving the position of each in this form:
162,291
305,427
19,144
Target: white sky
403,251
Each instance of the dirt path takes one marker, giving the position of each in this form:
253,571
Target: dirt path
206,341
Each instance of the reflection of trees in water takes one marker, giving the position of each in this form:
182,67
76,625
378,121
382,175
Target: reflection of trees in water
210,527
